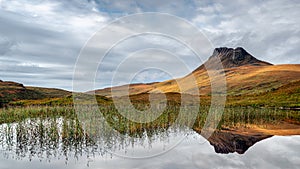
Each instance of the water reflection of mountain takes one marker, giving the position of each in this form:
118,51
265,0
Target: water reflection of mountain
228,142
52,138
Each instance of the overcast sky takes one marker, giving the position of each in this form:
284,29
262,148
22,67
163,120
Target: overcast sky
41,40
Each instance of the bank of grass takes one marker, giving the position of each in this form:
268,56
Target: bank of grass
64,101
232,116
286,96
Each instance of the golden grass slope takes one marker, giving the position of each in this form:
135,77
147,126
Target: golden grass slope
243,80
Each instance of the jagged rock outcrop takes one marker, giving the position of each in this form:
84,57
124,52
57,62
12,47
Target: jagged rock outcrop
230,58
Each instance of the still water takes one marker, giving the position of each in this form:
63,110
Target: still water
60,143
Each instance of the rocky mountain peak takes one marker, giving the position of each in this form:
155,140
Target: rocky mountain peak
233,58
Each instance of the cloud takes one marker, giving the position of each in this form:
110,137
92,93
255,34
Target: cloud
182,8
6,46
40,40
36,34
267,29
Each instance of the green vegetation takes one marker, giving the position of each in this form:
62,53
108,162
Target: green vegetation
64,101
247,116
287,96
233,116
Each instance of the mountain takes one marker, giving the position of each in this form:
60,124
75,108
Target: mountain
245,75
12,91
249,81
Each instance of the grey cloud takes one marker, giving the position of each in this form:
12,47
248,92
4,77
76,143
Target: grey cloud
151,51
182,8
37,54
265,28
6,46
52,38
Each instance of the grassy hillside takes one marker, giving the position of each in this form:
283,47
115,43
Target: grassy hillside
270,86
12,91
243,80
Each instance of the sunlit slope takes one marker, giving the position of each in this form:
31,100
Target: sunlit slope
123,90
239,80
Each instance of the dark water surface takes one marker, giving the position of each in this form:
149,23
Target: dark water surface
60,143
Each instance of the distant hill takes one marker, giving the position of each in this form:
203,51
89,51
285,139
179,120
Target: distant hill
121,90
12,91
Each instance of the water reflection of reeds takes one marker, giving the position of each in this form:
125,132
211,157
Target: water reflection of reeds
45,138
